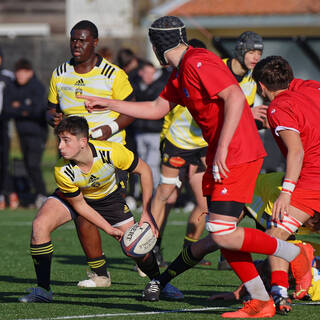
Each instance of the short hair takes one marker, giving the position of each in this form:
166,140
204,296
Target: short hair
86,25
77,126
124,57
196,43
23,64
274,72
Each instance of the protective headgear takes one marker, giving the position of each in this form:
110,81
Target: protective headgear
165,34
246,42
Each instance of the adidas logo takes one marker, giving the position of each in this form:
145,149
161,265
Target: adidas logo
92,178
80,82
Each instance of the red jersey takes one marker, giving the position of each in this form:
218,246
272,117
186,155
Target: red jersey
298,109
196,84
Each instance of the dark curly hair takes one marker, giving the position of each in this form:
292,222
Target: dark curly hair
274,72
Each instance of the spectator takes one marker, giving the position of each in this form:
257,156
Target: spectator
27,107
6,188
106,53
147,132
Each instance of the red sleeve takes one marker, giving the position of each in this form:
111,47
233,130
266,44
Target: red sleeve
282,116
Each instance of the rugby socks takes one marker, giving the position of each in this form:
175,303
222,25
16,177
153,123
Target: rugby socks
182,263
279,278
243,266
148,264
42,256
98,265
256,241
188,241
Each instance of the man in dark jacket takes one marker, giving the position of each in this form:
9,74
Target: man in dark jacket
27,106
6,187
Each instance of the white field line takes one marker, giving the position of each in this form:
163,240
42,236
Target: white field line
110,315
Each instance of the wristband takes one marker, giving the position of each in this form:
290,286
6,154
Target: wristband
113,126
288,186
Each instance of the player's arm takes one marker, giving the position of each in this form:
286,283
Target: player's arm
151,110
234,101
294,162
146,181
106,131
54,114
83,209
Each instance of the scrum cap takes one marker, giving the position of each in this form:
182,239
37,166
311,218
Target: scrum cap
246,42
167,33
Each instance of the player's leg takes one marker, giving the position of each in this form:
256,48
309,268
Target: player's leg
52,214
301,267
90,240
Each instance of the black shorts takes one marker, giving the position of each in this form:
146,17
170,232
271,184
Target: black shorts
174,157
226,208
113,207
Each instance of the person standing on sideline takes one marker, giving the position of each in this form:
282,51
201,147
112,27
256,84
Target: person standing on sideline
87,72
28,108
203,83
6,185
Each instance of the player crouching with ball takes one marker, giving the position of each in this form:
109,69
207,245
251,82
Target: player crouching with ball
85,176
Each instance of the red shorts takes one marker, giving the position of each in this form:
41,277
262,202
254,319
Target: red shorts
305,200
239,185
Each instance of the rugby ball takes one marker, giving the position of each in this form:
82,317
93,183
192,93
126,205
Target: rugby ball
138,240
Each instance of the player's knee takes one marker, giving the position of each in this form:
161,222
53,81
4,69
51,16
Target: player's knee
285,227
40,228
170,181
221,230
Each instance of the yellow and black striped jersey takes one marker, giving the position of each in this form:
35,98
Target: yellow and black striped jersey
100,181
267,190
104,80
181,130
248,86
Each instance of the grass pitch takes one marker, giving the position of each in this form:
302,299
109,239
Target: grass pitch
123,299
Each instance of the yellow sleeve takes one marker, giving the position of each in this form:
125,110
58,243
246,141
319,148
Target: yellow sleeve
53,93
121,157
121,86
63,180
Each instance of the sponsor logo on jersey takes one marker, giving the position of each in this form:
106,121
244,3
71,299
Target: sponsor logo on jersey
177,161
186,92
199,65
93,180
80,83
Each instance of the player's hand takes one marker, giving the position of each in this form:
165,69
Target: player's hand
116,233
219,168
259,112
147,217
101,133
57,117
235,295
94,103
281,206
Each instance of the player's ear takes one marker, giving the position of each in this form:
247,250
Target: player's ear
83,142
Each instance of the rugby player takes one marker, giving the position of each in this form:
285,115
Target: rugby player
87,186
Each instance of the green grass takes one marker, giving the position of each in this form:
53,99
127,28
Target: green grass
123,297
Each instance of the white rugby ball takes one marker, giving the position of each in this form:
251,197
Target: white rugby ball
138,240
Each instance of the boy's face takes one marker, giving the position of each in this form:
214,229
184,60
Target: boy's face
251,58
70,145
23,76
